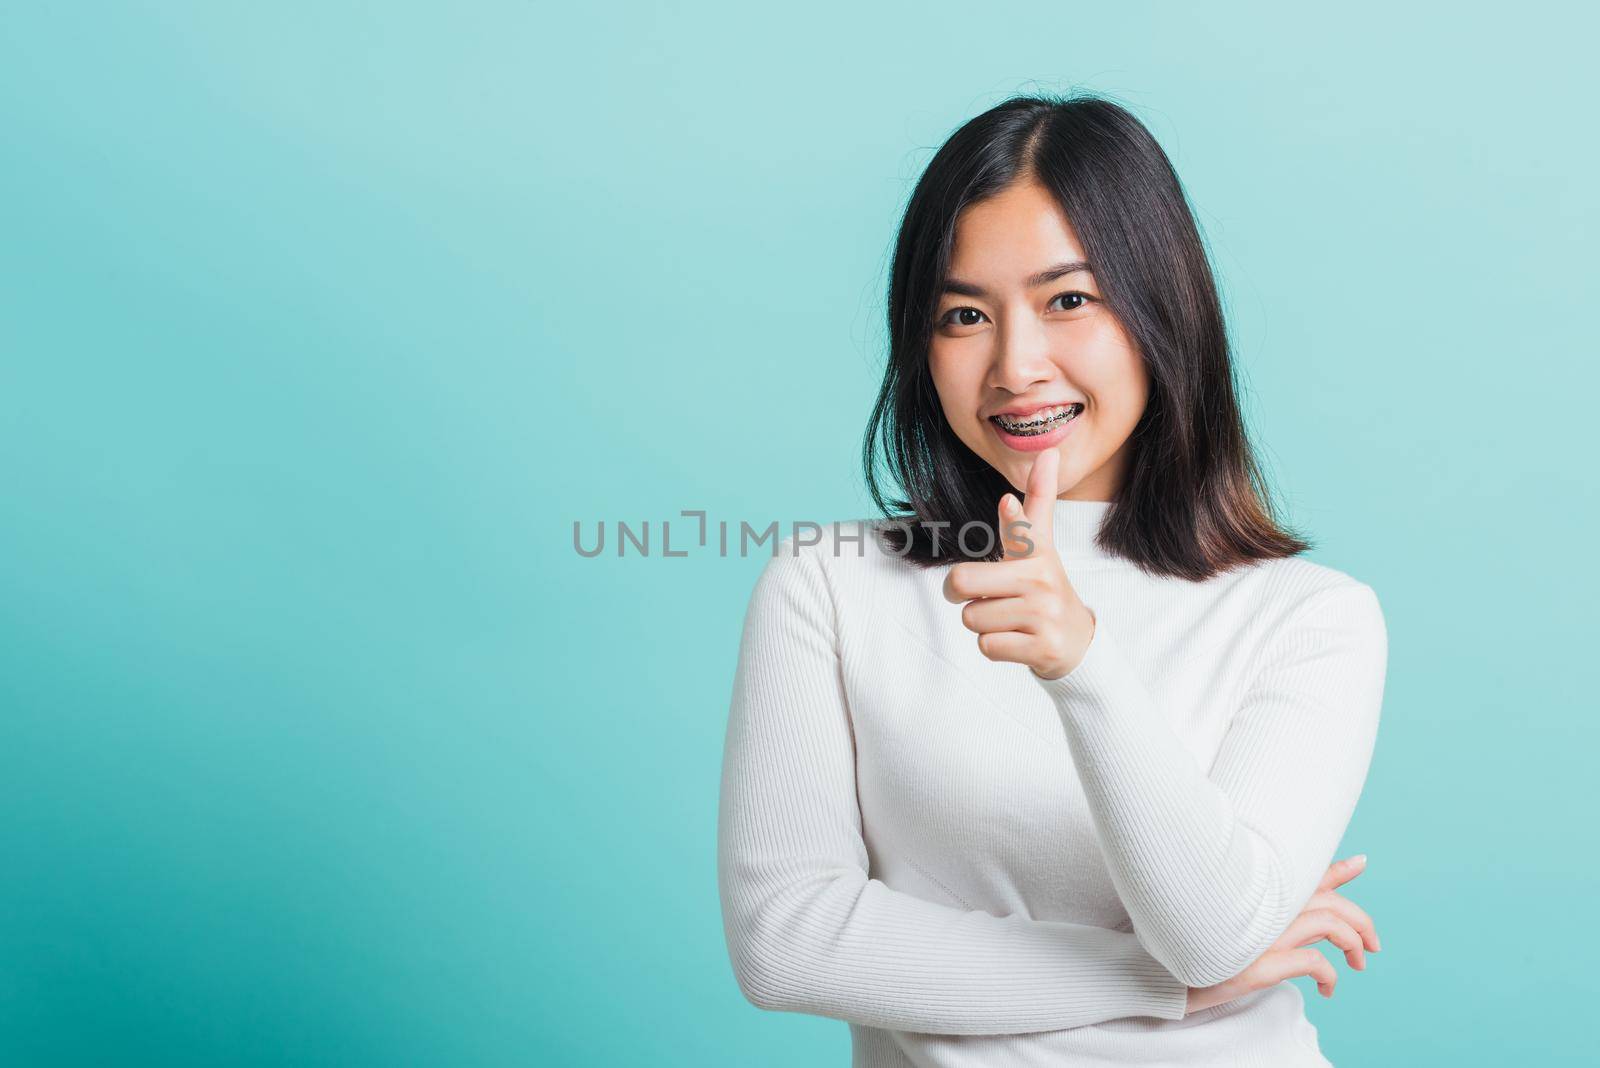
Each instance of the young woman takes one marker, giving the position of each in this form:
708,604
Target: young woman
1047,766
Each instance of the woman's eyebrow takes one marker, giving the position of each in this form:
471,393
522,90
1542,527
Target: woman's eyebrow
1049,274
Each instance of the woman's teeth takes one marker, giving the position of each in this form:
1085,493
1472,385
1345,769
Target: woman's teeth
1040,422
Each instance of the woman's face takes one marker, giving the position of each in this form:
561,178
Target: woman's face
1008,344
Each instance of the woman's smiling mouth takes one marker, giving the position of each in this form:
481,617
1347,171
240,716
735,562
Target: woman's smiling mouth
1036,430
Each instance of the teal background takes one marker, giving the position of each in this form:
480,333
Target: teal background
320,325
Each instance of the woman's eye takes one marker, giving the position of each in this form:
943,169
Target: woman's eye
1083,298
961,315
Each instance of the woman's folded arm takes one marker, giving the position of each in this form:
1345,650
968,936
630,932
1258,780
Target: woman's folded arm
809,930
1213,867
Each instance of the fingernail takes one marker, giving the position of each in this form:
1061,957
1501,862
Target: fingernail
1359,858
1377,943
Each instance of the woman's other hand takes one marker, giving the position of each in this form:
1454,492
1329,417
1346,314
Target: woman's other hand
1327,915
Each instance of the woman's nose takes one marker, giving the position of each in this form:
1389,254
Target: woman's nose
1021,359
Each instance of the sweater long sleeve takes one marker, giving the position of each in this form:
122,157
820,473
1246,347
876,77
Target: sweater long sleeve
1214,866
809,930
974,867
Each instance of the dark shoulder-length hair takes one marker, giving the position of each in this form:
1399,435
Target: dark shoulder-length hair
1195,502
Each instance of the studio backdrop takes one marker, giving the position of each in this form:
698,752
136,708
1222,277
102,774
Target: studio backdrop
333,335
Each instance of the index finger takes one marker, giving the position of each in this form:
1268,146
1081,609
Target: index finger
1039,507
1342,871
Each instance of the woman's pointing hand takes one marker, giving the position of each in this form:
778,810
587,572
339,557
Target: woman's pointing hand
1022,607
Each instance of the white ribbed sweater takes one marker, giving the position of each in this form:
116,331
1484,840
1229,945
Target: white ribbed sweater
974,866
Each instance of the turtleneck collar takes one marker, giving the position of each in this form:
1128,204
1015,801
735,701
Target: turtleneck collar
1075,525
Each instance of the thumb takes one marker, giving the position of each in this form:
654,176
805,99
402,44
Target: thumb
1014,535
